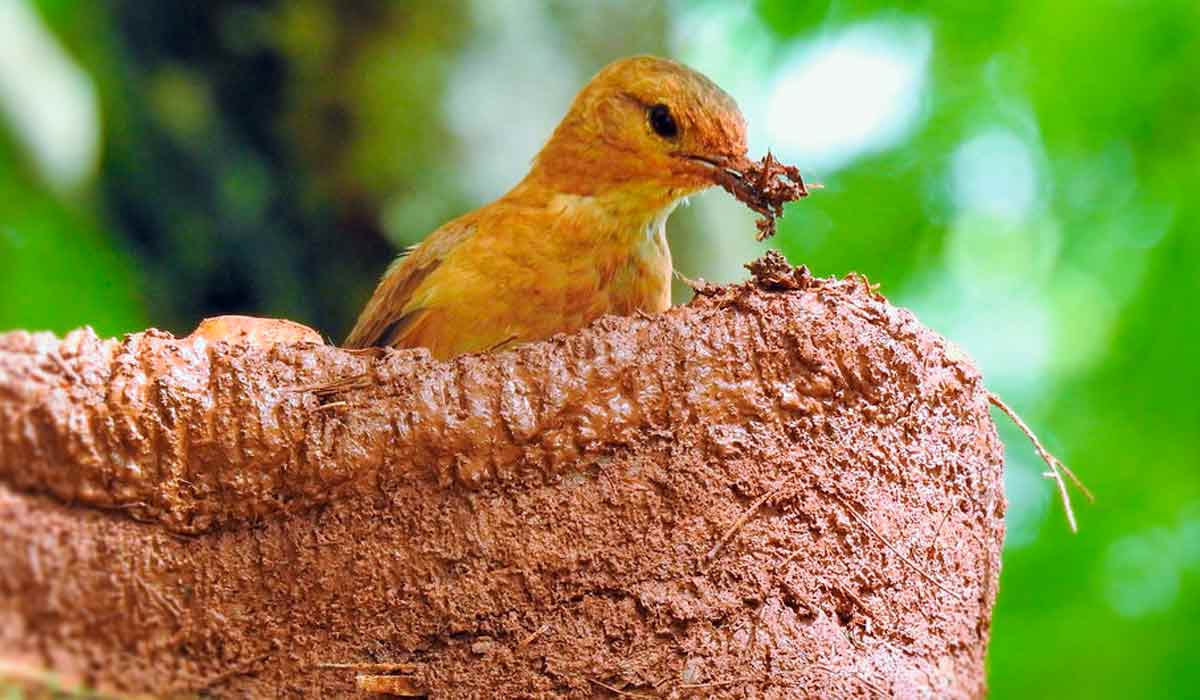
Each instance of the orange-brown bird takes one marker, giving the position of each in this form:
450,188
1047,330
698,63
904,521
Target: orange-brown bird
582,235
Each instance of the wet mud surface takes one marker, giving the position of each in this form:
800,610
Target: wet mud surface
784,489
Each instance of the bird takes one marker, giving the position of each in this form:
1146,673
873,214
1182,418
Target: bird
582,235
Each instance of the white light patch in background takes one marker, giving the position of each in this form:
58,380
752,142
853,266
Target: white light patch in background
49,101
1000,260
856,92
1004,328
993,173
1003,250
509,90
1011,257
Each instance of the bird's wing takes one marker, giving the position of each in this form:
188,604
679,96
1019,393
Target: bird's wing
392,314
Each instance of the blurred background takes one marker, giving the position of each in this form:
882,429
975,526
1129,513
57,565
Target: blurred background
1024,175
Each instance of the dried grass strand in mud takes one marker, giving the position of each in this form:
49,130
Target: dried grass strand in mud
764,186
1053,464
746,495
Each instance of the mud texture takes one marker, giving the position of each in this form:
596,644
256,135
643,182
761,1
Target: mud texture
764,186
784,489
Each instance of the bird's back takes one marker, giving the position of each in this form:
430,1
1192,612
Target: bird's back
514,272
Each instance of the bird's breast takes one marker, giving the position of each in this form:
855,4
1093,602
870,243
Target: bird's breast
635,268
553,269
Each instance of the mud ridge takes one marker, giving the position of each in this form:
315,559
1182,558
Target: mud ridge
785,488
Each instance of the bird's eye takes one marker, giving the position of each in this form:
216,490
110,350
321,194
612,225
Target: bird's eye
662,122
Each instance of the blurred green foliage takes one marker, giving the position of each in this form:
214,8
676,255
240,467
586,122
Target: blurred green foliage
269,157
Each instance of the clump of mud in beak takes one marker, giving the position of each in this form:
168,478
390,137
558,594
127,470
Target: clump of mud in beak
764,186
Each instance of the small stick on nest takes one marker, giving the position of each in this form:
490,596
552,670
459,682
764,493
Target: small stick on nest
911,564
718,684
765,186
380,678
399,686
1057,468
618,691
851,674
746,514
371,667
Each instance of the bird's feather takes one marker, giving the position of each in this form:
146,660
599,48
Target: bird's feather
391,315
581,236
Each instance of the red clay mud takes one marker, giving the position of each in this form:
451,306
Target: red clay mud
764,186
784,489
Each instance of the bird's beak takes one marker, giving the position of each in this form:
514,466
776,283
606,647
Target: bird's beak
722,168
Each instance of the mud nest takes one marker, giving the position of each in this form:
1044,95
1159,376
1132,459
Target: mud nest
786,488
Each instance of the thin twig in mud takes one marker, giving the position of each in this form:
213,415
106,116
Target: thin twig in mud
699,286
370,667
618,691
758,615
336,386
788,560
532,636
938,531
1057,468
63,367
863,521
329,406
745,516
856,676
400,686
215,679
694,284
716,684
857,601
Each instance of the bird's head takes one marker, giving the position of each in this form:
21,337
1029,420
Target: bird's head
644,127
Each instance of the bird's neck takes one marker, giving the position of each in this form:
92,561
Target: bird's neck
622,215
578,162
616,232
